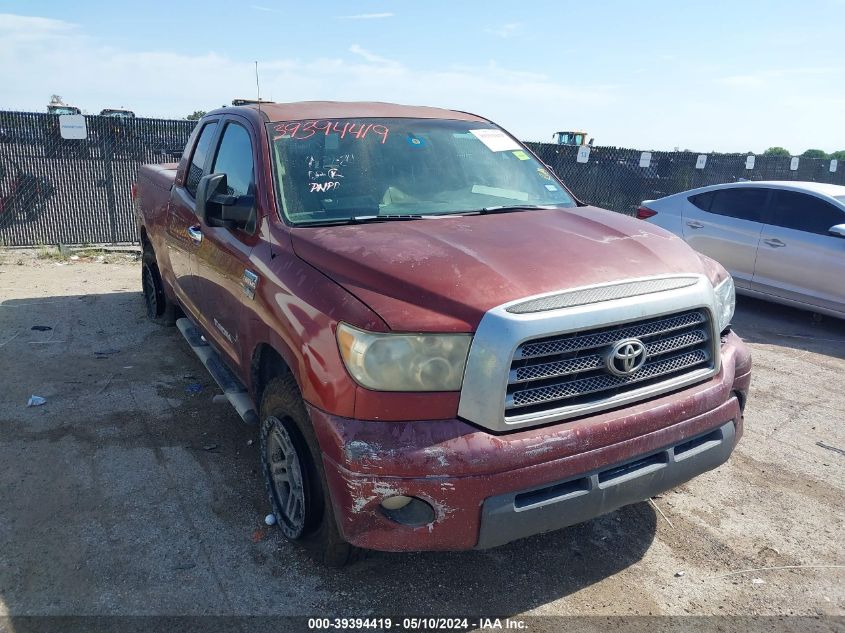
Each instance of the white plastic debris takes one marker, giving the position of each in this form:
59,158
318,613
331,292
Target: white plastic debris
270,519
36,401
758,581
678,574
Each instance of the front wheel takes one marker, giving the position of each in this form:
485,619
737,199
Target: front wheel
295,478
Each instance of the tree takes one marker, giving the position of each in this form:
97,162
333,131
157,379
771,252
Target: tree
814,153
196,116
777,151
840,155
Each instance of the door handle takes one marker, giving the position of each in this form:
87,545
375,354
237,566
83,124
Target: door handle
195,233
693,224
774,243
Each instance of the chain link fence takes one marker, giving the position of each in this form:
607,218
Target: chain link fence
57,190
619,179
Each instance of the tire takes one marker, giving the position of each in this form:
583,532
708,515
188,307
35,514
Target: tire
159,308
293,467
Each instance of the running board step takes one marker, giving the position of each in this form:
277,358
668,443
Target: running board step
233,388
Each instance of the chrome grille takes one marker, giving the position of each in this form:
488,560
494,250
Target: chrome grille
570,369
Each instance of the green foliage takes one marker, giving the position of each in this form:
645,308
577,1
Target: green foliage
840,155
777,151
814,153
196,116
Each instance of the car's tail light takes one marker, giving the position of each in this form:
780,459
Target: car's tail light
644,213
134,190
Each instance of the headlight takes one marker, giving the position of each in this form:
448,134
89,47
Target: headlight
404,362
725,302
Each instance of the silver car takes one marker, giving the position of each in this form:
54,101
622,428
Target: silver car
781,240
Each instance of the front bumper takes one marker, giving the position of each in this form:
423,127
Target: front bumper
515,515
487,489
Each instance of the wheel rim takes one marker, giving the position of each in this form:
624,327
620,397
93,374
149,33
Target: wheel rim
150,294
286,479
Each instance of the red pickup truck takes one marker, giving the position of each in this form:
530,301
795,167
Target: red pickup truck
442,347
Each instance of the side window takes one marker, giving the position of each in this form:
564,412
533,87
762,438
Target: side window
802,212
741,203
198,159
703,200
234,158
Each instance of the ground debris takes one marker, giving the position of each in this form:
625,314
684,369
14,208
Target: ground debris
831,448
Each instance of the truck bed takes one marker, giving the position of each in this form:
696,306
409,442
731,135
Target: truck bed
152,192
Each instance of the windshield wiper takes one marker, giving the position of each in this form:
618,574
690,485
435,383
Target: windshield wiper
515,207
361,219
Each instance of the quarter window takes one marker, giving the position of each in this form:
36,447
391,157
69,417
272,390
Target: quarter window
195,169
703,200
741,203
802,212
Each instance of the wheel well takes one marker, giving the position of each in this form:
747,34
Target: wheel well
145,241
267,363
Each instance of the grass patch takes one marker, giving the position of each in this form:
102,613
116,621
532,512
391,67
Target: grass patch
59,253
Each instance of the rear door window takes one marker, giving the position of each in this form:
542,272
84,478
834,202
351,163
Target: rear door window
803,212
195,169
741,203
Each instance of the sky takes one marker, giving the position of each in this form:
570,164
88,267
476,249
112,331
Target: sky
707,76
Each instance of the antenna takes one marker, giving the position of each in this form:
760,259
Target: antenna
257,86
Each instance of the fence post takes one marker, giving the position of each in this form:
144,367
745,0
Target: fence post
108,157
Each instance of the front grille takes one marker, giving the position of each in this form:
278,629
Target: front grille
570,369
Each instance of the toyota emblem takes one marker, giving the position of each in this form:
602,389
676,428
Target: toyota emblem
626,357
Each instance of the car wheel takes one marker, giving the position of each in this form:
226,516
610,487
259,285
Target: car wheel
159,308
294,476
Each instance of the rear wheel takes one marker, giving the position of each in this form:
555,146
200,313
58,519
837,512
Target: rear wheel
159,308
295,478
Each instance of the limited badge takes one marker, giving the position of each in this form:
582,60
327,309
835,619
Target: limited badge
250,282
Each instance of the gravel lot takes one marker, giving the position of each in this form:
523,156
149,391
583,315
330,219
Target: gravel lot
125,494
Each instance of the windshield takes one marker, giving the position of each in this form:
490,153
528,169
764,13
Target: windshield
343,169
63,110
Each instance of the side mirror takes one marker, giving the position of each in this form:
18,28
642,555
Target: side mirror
206,187
217,208
838,230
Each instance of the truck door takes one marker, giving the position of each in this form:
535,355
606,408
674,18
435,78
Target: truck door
222,260
182,234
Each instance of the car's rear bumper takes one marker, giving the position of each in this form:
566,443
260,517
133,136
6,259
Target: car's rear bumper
487,489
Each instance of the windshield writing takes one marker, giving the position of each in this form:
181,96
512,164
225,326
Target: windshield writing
336,170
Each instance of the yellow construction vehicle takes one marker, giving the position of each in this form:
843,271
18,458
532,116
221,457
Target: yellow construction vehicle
571,138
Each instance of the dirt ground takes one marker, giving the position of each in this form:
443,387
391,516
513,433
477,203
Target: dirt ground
126,493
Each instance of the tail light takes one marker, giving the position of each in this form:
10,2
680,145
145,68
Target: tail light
644,213
134,190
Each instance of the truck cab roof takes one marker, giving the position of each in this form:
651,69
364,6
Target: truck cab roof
303,110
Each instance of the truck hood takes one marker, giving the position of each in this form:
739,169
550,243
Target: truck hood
443,274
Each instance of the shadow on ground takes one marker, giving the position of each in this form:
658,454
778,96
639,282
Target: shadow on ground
758,321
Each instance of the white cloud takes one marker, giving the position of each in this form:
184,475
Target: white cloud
762,78
260,7
505,31
365,16
371,57
56,57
